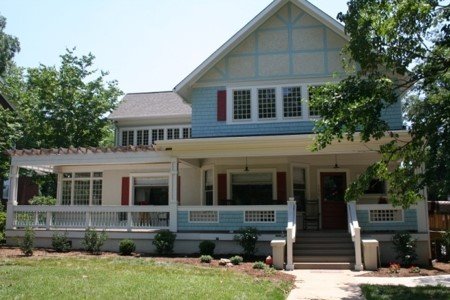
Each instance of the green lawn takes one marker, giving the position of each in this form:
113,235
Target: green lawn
400,292
122,278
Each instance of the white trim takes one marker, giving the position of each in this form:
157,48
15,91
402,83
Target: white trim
219,208
91,178
132,176
202,184
184,87
273,171
203,222
380,206
393,221
165,128
307,179
260,222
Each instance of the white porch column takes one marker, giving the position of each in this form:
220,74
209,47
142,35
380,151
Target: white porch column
173,195
12,200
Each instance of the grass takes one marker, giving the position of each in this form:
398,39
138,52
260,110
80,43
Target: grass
399,292
122,278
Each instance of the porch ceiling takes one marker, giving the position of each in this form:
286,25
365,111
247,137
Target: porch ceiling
286,145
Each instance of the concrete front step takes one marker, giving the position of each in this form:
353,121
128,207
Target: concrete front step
324,252
324,265
322,233
315,245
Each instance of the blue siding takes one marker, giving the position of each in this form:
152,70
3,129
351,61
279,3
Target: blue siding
409,224
205,124
231,221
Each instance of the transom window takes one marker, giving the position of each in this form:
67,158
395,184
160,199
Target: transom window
292,102
267,104
82,188
242,104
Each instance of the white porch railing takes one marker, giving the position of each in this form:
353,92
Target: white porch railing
291,231
106,217
355,231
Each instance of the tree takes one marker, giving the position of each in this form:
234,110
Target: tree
64,106
9,46
397,46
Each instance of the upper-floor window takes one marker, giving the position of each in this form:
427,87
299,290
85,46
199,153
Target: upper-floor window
148,136
312,92
282,103
242,104
267,104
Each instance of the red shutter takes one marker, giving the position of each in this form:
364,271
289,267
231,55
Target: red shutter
222,188
125,191
281,187
179,189
221,105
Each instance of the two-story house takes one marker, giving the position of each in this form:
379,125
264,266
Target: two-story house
229,148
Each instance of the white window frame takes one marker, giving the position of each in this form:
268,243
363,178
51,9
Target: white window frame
150,128
307,178
151,175
260,222
402,219
254,103
72,180
273,171
202,184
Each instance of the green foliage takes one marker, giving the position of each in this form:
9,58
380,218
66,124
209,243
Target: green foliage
394,46
405,248
42,200
93,240
247,238
2,226
68,103
60,242
207,247
126,247
27,244
206,259
401,292
260,265
164,242
9,46
236,260
10,132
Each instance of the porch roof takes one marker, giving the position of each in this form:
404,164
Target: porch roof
269,146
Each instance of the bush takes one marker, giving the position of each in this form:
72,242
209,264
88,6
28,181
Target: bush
93,241
2,226
164,241
126,247
260,265
207,247
60,242
206,258
236,260
405,247
247,239
42,200
27,244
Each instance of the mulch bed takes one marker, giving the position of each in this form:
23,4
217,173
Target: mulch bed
437,268
246,267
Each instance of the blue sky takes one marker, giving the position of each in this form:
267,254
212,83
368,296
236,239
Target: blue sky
147,45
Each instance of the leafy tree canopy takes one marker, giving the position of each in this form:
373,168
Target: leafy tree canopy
9,46
401,49
63,106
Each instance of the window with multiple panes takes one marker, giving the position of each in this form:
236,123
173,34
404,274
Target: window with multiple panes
186,133
173,133
267,102
292,102
127,137
251,188
147,136
83,188
141,137
299,187
242,104
312,91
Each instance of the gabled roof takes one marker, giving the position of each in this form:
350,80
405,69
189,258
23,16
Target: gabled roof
150,105
184,87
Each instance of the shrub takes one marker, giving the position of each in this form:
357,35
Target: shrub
42,200
260,265
60,242
2,226
93,241
206,258
236,260
405,247
394,268
27,244
126,247
247,239
164,241
207,247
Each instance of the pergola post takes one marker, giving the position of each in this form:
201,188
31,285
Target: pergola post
173,195
12,200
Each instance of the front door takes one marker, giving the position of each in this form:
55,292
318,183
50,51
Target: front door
334,208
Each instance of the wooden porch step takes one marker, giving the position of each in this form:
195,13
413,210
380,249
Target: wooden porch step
324,252
323,245
324,265
324,258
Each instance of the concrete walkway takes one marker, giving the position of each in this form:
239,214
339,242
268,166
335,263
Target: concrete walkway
344,284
